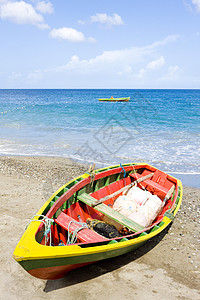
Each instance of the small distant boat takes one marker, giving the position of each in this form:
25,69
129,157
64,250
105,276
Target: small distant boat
112,99
82,222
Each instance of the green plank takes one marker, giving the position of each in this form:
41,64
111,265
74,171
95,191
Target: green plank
123,240
143,234
108,211
113,242
155,228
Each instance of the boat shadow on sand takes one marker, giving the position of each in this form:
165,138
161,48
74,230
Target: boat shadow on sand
105,266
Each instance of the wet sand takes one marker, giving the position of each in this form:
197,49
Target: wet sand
166,267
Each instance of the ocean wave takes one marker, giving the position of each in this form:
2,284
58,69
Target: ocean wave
11,125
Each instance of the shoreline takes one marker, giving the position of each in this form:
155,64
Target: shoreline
192,179
167,266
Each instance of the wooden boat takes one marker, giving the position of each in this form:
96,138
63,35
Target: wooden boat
49,249
123,99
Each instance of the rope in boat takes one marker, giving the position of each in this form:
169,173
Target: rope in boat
47,225
91,172
135,172
124,173
123,170
72,237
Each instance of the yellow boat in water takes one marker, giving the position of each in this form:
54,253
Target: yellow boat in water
112,99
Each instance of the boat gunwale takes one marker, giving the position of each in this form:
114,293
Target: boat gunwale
99,174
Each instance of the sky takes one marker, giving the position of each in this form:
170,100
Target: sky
136,44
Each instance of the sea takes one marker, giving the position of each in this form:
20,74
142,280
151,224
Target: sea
159,127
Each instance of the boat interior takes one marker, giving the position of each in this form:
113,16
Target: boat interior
76,203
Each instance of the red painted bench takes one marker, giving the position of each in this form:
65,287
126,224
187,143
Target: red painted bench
84,235
153,186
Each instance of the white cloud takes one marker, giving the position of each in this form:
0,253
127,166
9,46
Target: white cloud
81,22
115,19
45,7
156,64
188,4
141,73
169,39
21,12
125,61
126,70
114,68
196,3
15,75
172,74
36,75
69,34
107,60
91,40
174,71
153,65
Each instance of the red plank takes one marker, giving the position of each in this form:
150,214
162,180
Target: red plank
84,235
77,212
55,236
153,187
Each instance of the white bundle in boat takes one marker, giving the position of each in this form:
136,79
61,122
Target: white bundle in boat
147,212
152,208
125,205
139,217
138,205
137,195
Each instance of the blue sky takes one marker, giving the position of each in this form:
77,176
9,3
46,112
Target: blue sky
100,44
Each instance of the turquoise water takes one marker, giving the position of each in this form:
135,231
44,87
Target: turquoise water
160,127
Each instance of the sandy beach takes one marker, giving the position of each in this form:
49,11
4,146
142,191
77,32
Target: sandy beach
167,267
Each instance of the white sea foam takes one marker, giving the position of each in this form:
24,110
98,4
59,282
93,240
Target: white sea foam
184,173
157,127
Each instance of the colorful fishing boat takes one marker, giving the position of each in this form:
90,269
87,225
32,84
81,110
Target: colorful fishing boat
112,99
61,238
